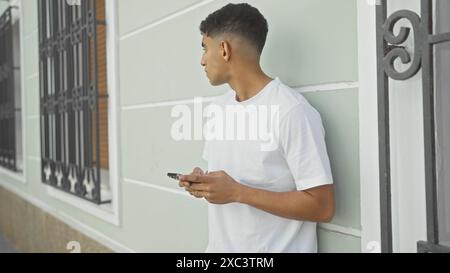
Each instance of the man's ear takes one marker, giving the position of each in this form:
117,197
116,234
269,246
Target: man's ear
225,50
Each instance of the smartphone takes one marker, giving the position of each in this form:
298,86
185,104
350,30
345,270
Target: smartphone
174,175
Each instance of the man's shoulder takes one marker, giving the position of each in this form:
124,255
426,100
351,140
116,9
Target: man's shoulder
287,98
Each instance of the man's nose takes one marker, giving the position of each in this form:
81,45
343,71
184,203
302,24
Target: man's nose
202,61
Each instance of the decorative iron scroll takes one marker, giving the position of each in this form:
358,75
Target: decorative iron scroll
394,50
389,49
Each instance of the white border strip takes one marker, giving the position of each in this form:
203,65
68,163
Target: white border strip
167,103
161,188
326,226
341,229
165,19
17,176
72,222
114,121
327,87
368,128
104,212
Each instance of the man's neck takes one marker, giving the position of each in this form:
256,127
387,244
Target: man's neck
249,84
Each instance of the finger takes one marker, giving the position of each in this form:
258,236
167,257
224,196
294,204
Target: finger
203,194
193,178
199,187
214,173
197,194
184,184
194,194
198,171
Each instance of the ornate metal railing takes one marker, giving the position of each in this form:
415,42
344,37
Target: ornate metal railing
8,157
389,49
69,97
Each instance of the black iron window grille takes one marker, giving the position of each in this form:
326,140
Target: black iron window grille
70,97
389,48
9,110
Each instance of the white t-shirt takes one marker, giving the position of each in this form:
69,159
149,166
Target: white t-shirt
299,161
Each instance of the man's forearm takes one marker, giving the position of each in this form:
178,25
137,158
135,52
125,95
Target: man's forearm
298,205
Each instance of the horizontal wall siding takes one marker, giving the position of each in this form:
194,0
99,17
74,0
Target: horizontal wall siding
335,242
135,14
163,62
160,221
157,153
340,119
310,42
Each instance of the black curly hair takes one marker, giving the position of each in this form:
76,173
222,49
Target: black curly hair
239,19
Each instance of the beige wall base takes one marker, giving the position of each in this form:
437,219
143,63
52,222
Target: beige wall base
30,229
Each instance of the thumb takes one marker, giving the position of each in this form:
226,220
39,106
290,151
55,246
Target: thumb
215,173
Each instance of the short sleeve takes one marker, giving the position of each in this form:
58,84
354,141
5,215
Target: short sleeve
302,139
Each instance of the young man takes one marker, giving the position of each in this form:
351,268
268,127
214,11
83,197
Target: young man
260,200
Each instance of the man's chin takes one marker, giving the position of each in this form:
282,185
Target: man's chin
215,83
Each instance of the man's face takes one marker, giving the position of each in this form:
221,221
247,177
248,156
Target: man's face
213,61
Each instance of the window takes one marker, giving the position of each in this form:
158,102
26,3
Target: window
10,92
73,98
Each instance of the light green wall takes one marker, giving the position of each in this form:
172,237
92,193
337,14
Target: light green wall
340,119
3,6
302,48
309,42
335,242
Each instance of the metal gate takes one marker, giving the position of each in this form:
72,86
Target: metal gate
389,48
